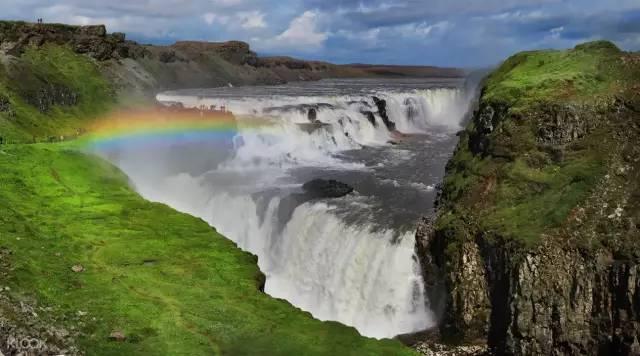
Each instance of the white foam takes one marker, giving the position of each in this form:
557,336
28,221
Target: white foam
349,272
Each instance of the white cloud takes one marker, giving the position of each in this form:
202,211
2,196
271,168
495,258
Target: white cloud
252,20
210,18
301,35
247,20
556,32
424,29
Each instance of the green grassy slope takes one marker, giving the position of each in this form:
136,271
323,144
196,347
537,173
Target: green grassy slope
173,285
167,280
32,77
588,71
517,186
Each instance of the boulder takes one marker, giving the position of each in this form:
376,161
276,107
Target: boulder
326,188
118,336
92,30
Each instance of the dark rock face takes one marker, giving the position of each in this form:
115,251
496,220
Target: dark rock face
312,115
558,297
553,300
322,188
382,111
370,116
90,40
487,118
559,125
287,62
5,106
235,52
49,95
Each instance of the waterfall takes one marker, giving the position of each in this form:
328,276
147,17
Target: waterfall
344,269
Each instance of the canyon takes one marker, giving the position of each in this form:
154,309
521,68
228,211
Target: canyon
531,248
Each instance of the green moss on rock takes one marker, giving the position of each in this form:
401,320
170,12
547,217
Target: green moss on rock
541,141
52,91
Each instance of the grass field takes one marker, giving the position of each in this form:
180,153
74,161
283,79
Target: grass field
167,280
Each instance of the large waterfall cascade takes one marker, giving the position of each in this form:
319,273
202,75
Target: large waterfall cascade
349,259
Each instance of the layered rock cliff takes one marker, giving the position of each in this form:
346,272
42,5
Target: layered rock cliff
534,249
146,69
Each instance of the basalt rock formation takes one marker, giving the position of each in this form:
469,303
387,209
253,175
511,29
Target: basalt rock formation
535,245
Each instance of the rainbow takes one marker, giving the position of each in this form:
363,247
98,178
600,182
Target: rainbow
149,128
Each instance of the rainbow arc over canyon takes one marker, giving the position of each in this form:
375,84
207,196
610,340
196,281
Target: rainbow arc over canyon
159,127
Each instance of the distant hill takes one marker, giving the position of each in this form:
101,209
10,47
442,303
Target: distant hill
146,69
407,71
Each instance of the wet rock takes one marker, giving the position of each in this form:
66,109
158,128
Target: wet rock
326,188
411,105
312,127
487,118
370,116
312,115
382,111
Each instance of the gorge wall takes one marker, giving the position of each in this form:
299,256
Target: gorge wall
89,267
147,69
81,71
535,240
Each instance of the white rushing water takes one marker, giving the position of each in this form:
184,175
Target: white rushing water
333,257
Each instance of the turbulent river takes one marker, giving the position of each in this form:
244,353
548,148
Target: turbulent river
348,259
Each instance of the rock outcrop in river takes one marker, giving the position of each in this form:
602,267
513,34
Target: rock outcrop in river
535,244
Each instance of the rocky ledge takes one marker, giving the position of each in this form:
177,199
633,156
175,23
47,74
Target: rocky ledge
534,248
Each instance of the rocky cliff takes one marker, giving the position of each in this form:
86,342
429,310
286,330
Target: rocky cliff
534,249
48,74
145,69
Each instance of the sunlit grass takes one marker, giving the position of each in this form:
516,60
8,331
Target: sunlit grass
168,280
518,189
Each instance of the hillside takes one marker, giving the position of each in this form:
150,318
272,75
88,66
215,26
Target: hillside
146,69
536,239
89,267
166,280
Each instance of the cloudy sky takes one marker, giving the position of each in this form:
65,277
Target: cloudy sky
438,32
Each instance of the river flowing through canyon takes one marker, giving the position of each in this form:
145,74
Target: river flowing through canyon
350,259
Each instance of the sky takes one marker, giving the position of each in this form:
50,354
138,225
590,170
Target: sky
462,33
